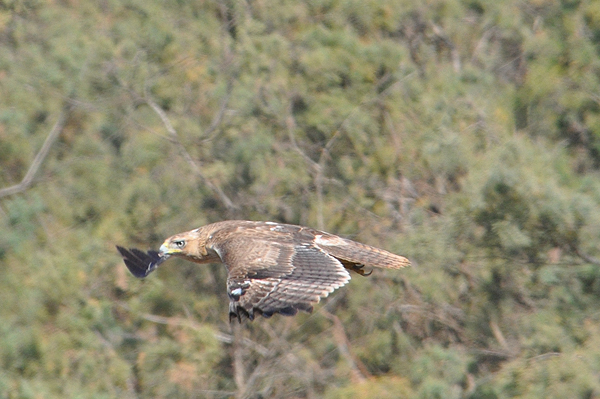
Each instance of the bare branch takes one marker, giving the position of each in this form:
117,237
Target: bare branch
239,371
291,126
358,369
499,336
220,113
189,323
438,31
175,140
39,158
587,257
318,167
544,356
482,43
493,353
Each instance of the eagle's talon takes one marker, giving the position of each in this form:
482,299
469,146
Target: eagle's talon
360,270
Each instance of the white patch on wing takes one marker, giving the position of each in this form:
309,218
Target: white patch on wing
329,240
271,223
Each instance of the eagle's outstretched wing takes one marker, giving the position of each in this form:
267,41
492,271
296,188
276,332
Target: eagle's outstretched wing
267,277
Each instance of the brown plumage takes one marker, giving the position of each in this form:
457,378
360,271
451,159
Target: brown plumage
272,267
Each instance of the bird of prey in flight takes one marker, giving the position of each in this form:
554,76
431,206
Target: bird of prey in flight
272,267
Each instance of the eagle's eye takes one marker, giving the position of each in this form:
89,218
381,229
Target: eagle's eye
179,243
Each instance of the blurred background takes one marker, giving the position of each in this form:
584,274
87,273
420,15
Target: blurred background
464,134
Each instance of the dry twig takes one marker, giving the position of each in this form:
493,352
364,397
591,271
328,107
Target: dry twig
39,158
174,138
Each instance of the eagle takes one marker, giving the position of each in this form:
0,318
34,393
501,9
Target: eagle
271,267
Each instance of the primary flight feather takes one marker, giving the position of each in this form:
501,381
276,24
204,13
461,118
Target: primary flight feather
272,267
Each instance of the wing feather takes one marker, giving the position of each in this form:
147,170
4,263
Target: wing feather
267,277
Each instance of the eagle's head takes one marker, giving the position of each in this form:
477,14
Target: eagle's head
175,245
190,245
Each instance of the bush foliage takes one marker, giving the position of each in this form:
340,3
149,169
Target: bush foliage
463,134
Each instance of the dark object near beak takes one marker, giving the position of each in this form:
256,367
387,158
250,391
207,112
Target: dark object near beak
141,263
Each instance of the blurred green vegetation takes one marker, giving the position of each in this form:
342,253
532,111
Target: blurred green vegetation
464,134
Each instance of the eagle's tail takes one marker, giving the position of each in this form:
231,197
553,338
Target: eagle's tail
353,254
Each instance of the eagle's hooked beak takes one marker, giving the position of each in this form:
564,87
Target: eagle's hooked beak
164,251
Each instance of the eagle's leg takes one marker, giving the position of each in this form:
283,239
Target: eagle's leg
238,312
355,267
234,313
